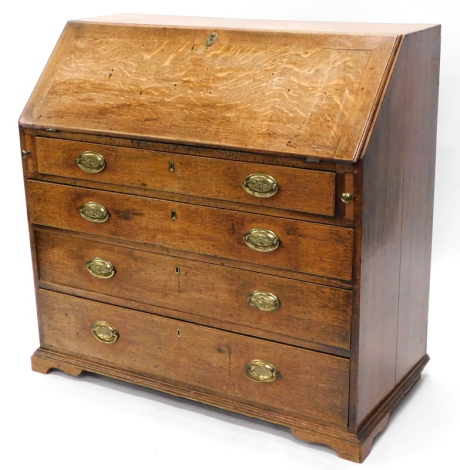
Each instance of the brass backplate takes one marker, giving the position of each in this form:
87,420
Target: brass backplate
264,300
261,371
260,185
94,212
91,162
104,332
261,239
100,268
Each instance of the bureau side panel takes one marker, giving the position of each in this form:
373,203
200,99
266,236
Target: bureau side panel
422,74
380,251
398,173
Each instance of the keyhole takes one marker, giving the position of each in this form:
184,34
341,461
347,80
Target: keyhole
177,270
173,215
178,333
172,166
211,39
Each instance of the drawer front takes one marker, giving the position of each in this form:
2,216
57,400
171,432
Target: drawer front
298,189
310,384
298,309
307,247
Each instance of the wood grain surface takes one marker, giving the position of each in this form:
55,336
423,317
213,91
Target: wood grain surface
311,384
306,247
283,92
196,150
396,227
380,253
418,196
302,190
300,101
308,311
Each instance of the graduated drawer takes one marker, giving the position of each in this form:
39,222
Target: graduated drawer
309,384
266,303
304,246
298,189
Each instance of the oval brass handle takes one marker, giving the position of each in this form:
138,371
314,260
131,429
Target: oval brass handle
100,268
91,162
104,332
260,185
94,212
263,300
261,239
261,371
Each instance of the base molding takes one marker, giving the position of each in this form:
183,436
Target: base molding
351,447
348,445
43,363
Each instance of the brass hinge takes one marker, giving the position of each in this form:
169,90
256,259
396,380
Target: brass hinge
25,154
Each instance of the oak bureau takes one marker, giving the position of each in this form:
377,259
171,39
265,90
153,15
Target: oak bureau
238,212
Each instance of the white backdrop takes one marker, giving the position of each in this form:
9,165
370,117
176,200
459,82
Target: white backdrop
56,421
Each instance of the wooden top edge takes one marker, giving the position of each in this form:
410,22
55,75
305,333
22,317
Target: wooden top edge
239,23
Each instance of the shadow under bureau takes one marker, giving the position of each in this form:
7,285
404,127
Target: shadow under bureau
238,212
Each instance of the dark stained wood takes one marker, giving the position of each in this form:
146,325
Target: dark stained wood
380,251
301,190
308,311
417,206
396,227
355,310
326,250
202,358
291,92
